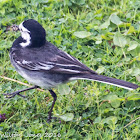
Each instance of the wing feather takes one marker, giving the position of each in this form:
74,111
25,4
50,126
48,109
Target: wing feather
55,61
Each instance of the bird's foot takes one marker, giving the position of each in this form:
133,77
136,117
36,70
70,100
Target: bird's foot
52,118
11,95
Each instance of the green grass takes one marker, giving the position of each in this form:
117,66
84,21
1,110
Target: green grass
104,35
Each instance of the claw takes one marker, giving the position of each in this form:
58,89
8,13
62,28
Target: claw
22,95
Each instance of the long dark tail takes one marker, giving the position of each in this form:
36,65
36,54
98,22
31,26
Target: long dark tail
107,80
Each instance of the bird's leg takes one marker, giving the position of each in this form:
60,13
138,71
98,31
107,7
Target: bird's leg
54,99
10,95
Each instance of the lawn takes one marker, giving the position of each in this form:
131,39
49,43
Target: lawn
102,34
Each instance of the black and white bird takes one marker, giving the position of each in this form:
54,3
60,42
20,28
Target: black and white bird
44,65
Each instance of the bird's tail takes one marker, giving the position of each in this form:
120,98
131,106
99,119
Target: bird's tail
107,80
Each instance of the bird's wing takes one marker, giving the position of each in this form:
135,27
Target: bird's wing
49,59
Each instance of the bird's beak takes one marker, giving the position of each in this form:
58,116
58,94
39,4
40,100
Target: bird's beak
15,27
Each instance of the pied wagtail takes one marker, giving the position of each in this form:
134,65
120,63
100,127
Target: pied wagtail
44,65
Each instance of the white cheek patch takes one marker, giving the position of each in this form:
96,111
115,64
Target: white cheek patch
27,38
21,27
25,34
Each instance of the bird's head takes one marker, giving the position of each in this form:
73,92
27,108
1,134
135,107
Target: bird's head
32,33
